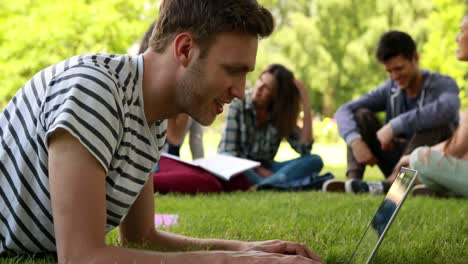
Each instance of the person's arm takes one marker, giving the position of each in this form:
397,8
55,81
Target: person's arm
375,101
176,129
196,140
77,189
301,138
442,111
362,152
307,136
138,228
457,145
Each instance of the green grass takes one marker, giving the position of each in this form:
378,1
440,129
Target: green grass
427,230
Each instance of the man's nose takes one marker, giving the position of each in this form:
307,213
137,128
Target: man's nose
394,75
238,89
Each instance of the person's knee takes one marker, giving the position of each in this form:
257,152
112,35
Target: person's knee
363,114
420,156
314,159
420,161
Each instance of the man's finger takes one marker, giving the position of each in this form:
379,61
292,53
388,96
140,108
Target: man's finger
303,250
275,248
313,256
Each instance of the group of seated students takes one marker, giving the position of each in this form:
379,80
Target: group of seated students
422,130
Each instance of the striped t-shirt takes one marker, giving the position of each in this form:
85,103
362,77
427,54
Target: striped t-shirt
97,99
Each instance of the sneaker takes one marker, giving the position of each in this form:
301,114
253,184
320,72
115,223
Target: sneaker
333,186
357,186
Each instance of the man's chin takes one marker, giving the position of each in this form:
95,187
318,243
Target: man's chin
402,86
206,120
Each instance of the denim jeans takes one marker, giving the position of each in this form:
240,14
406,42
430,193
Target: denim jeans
368,125
439,172
287,171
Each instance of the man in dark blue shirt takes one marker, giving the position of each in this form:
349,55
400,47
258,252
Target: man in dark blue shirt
421,109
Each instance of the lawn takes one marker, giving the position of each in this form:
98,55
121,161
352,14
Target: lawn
427,230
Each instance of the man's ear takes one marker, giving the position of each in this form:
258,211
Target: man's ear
416,57
184,48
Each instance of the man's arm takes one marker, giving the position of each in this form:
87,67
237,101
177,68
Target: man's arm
440,112
77,187
374,101
138,228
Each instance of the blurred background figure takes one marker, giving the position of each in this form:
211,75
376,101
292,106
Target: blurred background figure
256,125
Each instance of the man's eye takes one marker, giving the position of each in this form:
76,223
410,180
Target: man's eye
233,71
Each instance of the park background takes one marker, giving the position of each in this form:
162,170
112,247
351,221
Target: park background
329,45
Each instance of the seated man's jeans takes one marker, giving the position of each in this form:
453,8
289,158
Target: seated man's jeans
287,171
368,125
439,172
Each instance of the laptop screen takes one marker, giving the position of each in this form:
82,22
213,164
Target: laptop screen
384,216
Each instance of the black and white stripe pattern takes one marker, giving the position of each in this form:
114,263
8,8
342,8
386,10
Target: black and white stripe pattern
97,98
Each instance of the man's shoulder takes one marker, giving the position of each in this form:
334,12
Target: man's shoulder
110,64
102,68
441,81
384,89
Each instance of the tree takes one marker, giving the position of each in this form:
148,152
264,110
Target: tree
36,34
330,44
439,51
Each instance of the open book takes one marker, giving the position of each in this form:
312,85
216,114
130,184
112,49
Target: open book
222,166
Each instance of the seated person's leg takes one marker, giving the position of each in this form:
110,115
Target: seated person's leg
440,172
368,125
429,137
291,170
175,176
173,149
253,177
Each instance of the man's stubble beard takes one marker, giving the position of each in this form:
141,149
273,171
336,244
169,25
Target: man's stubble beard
191,97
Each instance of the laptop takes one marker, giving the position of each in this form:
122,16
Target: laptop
383,218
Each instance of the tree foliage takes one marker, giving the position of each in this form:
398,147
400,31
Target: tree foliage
439,50
37,33
329,44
